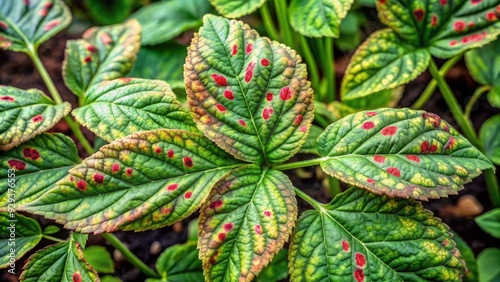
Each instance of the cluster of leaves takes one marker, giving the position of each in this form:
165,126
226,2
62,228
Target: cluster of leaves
252,108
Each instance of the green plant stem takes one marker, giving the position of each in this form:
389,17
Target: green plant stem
53,239
268,22
328,65
311,63
73,125
480,91
282,12
299,164
308,199
431,87
131,257
334,186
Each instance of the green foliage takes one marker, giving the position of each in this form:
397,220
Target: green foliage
468,257
277,270
488,134
236,8
99,258
487,262
382,99
490,222
51,229
109,11
179,263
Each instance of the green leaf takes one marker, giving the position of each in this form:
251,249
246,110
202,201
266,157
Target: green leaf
490,222
81,238
18,235
447,27
383,61
117,108
322,18
25,114
487,262
180,263
39,164
165,20
400,152
387,98
248,94
99,258
310,146
484,63
247,219
51,229
494,96
488,134
144,181
109,278
24,25
468,257
58,262
104,53
361,236
236,8
109,11
193,231
277,270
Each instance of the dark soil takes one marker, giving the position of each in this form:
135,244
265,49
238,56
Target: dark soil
17,70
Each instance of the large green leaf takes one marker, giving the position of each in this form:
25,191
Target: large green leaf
18,235
484,63
247,219
59,262
487,264
117,108
99,258
361,236
39,164
447,27
322,18
25,114
400,152
179,263
489,136
383,61
248,94
144,181
104,53
165,20
236,8
490,222
24,25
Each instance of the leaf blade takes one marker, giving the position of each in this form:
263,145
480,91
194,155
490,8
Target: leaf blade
238,8
488,134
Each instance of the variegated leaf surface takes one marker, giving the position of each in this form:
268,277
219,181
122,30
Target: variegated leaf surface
246,220
400,152
144,181
25,24
117,108
25,114
248,94
236,8
39,164
361,236
104,53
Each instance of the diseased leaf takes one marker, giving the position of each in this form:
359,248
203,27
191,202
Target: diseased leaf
490,222
489,136
104,53
400,152
58,262
468,257
236,8
487,262
18,233
180,263
25,25
322,18
361,236
248,94
144,181
25,114
484,63
310,146
117,108
383,61
447,27
99,258
165,20
387,98
247,218
39,164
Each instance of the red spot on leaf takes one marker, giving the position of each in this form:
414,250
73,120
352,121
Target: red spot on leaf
298,119
48,5
87,59
7,98
379,159
491,16
359,275
394,171
476,37
258,229
370,114
285,93
419,14
91,48
360,260
188,195
170,153
81,184
17,165
242,122
222,236
71,179
368,125
216,204
76,277
50,25
443,2
413,158
459,25
188,161
98,178
228,226
475,2
105,38
382,1
434,20
303,128
172,187
450,143
212,260
31,153
266,113
453,42
3,25
165,210
269,96
228,94
129,171
249,48
42,12
158,150
433,148
249,72
115,167
345,246
219,79
26,2
221,108
234,51
466,39
424,147
267,213
371,180
37,118
125,79
264,62
389,130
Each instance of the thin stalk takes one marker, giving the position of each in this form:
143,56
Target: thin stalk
334,186
299,164
431,87
53,239
268,22
315,204
131,257
73,125
480,91
329,69
281,11
311,63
